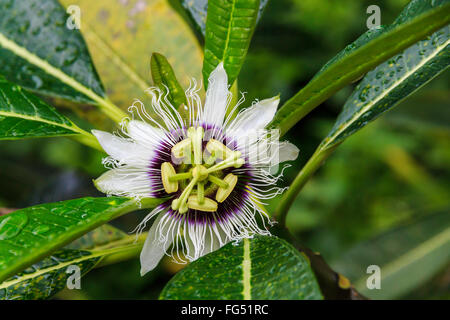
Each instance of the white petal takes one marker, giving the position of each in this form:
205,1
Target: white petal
255,117
144,133
216,97
211,242
287,151
125,181
154,249
120,149
271,153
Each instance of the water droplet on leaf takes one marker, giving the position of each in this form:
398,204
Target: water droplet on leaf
12,225
43,228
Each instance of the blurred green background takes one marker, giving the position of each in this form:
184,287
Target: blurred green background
392,173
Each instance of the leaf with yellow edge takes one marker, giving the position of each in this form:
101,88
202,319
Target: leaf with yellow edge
122,35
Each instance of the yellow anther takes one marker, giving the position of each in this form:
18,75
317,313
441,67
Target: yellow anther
182,148
218,149
223,193
167,171
208,205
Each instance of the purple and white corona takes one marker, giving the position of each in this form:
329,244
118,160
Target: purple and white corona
214,170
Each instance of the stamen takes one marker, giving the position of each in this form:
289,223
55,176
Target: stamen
218,149
194,145
180,176
201,193
180,203
168,171
223,193
209,205
233,161
199,174
218,181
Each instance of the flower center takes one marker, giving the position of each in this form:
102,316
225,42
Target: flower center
200,180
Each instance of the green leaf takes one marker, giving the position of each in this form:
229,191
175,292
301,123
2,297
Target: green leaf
23,115
420,19
47,277
44,279
390,83
98,237
120,46
39,52
407,256
258,268
28,235
229,28
164,77
197,10
365,38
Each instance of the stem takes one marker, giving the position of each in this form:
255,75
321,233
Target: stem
88,140
180,176
110,109
122,253
200,193
316,160
218,181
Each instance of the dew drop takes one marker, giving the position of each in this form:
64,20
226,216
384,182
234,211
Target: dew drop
61,46
12,225
35,31
71,56
47,21
23,28
43,228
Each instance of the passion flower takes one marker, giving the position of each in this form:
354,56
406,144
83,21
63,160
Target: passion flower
214,169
